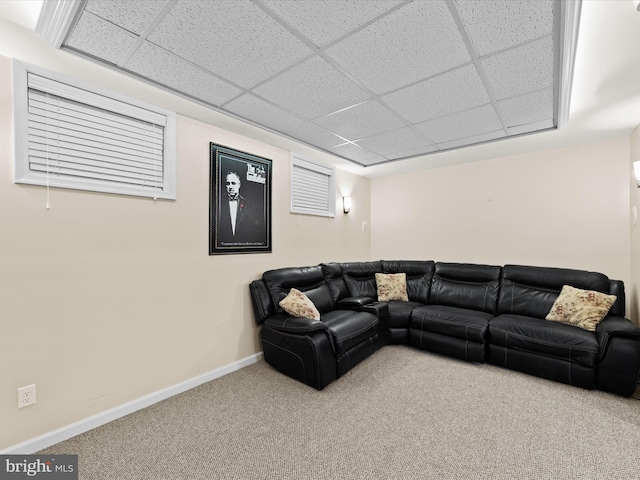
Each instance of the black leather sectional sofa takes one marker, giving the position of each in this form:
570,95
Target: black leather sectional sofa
478,313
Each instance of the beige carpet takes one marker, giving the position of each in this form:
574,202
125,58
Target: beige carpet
401,414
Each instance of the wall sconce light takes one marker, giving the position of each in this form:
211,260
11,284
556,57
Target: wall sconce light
346,204
636,4
636,171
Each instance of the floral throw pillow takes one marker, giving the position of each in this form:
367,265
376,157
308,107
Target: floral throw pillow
392,286
580,308
298,304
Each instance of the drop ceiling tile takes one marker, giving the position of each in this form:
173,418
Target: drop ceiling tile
499,24
444,94
133,16
355,153
461,125
520,70
100,38
414,42
236,40
312,89
473,140
323,21
363,120
263,113
163,67
397,140
531,127
315,135
414,152
529,108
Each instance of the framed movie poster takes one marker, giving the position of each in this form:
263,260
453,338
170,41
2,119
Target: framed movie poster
239,202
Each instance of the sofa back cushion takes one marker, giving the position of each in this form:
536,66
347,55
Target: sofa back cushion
335,281
616,287
309,280
466,285
419,274
360,278
531,291
261,301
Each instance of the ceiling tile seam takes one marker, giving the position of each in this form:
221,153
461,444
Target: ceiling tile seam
243,90
90,14
147,31
374,154
474,144
474,57
297,34
268,79
355,142
422,135
525,94
321,53
340,110
316,51
515,47
408,125
302,119
367,24
426,79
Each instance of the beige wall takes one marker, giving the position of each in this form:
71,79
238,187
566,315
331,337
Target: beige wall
566,208
634,285
108,298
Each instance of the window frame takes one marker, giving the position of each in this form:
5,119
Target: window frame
298,161
95,97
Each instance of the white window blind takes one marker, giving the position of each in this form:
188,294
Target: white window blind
73,137
312,188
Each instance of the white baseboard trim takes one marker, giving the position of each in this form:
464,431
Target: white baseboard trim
64,433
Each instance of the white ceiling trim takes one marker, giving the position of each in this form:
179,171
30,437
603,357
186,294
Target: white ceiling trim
56,18
570,17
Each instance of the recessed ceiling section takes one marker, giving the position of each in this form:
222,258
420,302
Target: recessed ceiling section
371,81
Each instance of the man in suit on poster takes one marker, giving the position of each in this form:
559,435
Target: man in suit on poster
239,222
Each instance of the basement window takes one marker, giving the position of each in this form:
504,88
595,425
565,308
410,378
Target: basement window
71,135
312,188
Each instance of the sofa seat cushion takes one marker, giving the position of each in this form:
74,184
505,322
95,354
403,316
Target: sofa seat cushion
552,339
348,328
452,321
400,313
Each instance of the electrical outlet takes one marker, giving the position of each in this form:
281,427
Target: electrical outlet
26,396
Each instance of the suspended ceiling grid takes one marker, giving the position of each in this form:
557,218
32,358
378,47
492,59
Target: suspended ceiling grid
371,81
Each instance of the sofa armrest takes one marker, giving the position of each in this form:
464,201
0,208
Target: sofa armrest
289,324
615,326
380,310
353,303
619,359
